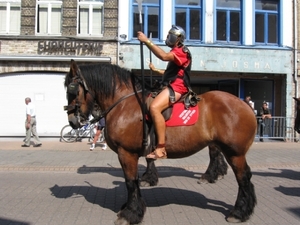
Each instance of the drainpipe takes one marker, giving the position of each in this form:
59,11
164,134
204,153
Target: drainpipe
295,53
295,49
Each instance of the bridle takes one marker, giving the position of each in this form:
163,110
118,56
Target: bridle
73,89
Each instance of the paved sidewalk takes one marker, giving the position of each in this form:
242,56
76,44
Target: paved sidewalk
66,184
61,156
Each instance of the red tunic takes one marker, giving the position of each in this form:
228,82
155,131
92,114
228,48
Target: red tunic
181,59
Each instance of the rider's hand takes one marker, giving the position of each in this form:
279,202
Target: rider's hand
151,66
141,36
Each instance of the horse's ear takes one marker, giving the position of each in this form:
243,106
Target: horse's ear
73,68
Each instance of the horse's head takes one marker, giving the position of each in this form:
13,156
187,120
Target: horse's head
80,99
297,120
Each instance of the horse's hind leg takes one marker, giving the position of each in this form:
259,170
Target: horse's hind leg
133,210
246,199
217,167
150,177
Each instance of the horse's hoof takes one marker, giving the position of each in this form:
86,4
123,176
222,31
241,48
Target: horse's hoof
232,219
144,184
121,221
220,177
202,181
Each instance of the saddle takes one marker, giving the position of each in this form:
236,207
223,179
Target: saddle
190,99
183,112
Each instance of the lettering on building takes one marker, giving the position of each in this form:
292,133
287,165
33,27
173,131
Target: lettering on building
237,64
70,48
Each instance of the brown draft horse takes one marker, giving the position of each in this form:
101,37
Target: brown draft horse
225,124
297,119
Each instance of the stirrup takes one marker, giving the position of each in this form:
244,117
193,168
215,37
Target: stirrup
159,148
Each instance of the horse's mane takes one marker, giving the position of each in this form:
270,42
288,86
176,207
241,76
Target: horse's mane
104,78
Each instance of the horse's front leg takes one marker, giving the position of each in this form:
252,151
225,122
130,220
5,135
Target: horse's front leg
217,167
150,177
133,210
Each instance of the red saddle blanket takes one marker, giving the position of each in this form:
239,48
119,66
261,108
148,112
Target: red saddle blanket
183,117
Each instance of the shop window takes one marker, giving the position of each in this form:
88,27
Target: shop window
90,17
150,18
49,13
228,21
10,16
188,15
266,22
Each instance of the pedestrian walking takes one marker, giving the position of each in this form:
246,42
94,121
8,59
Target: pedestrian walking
30,125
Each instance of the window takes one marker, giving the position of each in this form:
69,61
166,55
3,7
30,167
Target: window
49,13
150,17
90,17
228,20
266,21
10,16
188,15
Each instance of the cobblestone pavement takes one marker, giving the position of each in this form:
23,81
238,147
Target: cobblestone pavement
65,183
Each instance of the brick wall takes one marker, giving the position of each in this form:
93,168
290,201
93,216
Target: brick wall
28,17
26,44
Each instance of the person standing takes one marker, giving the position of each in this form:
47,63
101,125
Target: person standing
30,125
265,114
176,76
100,127
250,103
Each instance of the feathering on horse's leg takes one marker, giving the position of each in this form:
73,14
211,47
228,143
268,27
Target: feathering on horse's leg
246,199
150,177
217,167
133,211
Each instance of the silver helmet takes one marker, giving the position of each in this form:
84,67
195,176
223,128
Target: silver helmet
175,33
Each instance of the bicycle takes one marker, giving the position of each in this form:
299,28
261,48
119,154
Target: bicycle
68,134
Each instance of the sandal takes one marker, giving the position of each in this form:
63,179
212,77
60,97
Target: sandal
159,153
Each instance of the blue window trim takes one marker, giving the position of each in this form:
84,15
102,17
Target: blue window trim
145,10
201,22
222,44
241,23
279,25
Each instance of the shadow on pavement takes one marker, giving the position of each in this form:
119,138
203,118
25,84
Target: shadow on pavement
4,221
114,198
295,211
291,191
161,169
282,173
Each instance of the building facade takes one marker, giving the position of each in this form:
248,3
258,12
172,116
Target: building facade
245,47
38,39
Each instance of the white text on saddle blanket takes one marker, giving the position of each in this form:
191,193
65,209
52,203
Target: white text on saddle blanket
186,115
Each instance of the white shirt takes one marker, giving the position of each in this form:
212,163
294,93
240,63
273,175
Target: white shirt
30,109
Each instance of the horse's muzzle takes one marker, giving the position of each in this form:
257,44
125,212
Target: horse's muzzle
73,121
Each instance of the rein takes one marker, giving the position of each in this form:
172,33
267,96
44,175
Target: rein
116,103
73,89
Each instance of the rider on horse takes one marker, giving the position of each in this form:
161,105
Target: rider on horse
176,76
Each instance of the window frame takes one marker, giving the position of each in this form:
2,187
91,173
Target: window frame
266,14
90,5
48,4
145,16
187,20
228,10
8,17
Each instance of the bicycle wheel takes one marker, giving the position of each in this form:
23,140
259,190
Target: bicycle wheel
68,134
